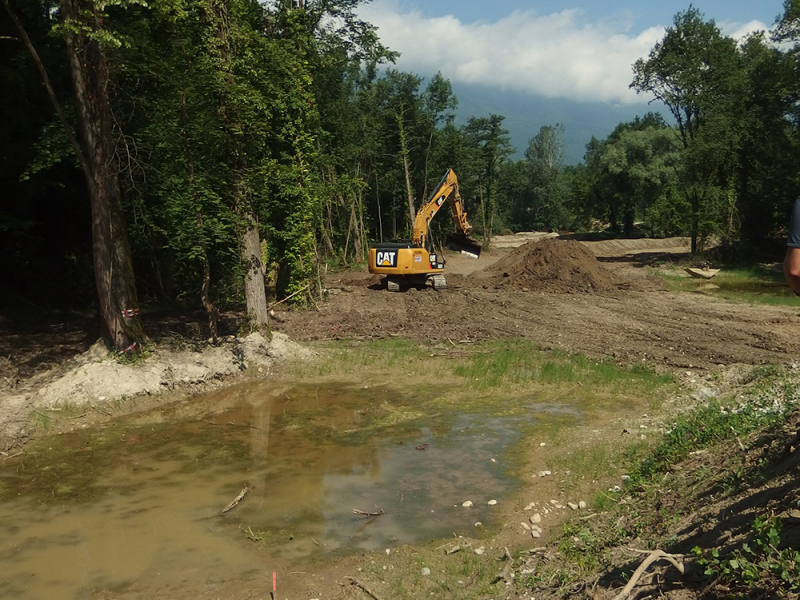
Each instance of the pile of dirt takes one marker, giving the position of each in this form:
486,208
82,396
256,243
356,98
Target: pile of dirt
555,266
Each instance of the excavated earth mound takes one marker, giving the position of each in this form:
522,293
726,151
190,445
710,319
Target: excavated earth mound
555,266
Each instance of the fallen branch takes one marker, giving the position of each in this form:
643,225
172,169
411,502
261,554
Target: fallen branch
357,583
235,501
675,559
302,289
591,516
361,513
741,445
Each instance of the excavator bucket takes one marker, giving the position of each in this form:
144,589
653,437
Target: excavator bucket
465,245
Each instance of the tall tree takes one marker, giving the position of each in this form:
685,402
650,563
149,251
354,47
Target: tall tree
490,143
693,70
87,38
544,160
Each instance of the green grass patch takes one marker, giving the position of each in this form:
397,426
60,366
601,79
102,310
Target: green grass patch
767,403
752,285
521,362
346,357
500,378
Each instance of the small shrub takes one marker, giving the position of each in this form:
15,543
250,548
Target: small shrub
760,566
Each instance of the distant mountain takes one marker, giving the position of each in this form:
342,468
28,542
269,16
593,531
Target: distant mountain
525,114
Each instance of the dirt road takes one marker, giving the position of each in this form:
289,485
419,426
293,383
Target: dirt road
627,316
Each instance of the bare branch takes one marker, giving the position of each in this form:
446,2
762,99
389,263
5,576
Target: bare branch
50,92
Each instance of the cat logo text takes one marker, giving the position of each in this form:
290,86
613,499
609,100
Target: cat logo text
386,258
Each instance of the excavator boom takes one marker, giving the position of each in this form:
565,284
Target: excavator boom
447,188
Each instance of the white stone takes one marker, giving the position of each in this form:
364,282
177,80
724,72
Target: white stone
537,518
572,505
388,551
479,551
467,504
425,571
582,505
542,445
535,534
492,502
526,526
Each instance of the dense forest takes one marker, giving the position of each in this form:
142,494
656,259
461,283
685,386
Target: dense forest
221,153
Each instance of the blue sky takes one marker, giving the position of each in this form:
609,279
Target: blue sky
640,14
580,51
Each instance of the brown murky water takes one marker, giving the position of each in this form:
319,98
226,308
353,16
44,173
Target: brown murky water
140,501
751,288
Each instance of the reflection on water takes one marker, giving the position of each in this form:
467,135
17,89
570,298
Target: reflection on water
139,502
747,288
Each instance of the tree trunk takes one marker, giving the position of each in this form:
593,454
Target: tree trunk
365,249
378,204
412,213
491,210
355,226
483,211
113,265
406,168
205,289
254,293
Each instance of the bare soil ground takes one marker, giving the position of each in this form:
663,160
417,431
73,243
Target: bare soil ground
558,295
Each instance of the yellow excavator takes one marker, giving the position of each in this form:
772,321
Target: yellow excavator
412,263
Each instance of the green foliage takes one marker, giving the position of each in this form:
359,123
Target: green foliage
487,147
760,565
535,191
520,362
713,423
279,112
633,177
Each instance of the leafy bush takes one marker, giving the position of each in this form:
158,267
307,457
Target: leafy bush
760,566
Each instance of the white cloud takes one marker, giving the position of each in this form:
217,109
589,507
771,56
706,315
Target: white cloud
557,56
739,31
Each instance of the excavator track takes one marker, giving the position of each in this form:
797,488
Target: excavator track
437,282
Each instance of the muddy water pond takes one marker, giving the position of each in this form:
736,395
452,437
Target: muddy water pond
140,500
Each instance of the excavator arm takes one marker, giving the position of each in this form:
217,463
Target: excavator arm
447,188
